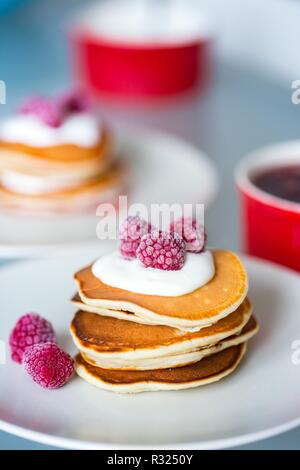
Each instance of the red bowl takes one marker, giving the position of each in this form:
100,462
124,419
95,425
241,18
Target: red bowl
270,225
131,68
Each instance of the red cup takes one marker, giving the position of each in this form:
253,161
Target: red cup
270,225
129,68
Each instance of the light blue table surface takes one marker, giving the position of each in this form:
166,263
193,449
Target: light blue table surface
241,112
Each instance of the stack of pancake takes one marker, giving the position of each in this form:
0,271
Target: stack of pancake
70,168
132,342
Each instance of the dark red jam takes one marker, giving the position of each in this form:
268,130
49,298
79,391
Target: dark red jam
283,182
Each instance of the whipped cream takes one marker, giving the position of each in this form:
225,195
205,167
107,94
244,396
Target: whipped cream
114,270
81,129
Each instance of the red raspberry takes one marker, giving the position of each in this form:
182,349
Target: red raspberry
30,329
131,232
192,231
128,248
48,365
32,105
73,101
46,110
162,250
51,114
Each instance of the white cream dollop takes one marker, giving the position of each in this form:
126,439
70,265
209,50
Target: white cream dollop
114,270
81,129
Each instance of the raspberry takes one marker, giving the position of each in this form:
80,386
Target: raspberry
73,101
128,248
51,115
32,105
48,365
192,231
46,110
131,231
162,250
30,329
53,112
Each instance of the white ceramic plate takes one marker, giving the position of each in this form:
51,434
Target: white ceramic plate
164,169
259,400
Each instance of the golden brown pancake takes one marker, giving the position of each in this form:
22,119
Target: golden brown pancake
67,154
200,308
110,336
104,188
178,359
208,370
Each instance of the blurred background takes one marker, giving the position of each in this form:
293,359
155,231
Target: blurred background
245,101
246,104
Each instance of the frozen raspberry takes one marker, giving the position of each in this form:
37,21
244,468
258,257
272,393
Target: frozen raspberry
131,232
48,365
46,110
128,248
32,105
162,250
73,101
30,329
192,231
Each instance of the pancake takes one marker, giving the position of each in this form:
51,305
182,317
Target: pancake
177,360
104,188
210,369
200,308
37,171
110,341
118,314
38,178
17,156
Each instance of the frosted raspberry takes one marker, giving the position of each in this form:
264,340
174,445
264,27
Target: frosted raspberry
162,250
32,105
192,231
131,232
48,365
46,110
30,329
73,101
128,248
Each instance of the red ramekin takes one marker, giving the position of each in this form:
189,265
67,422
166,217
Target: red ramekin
270,225
123,69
